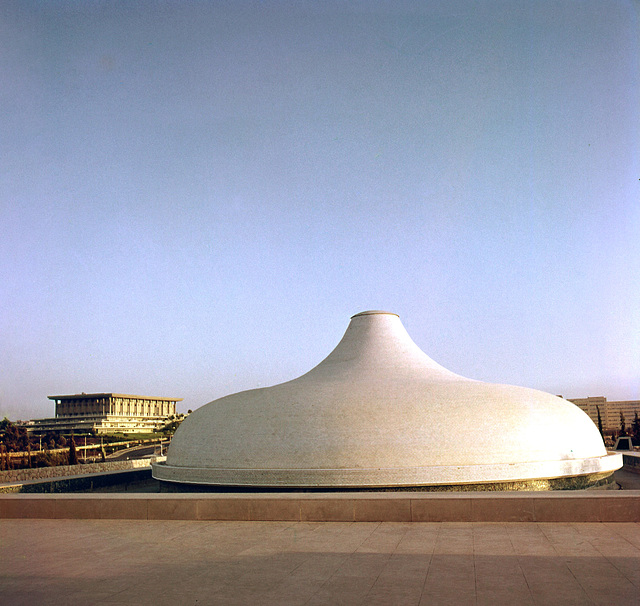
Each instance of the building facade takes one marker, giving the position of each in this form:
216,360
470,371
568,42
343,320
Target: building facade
609,411
107,413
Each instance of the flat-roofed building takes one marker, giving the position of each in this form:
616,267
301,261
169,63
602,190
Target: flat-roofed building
107,413
609,411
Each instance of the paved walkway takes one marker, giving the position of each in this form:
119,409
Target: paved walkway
70,562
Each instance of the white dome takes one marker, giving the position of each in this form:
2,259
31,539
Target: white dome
378,412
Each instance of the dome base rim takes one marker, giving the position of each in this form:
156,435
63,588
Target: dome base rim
389,478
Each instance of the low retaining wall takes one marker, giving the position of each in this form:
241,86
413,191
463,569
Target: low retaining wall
117,481
608,506
631,461
60,471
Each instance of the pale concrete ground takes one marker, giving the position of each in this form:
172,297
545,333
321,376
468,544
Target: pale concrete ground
113,562
627,479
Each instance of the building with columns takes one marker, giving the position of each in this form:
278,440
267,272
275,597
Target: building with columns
107,413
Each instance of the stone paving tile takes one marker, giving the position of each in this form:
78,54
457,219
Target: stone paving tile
629,531
404,567
368,565
582,550
602,582
499,577
449,576
318,567
448,596
560,595
347,590
394,593
529,540
505,595
617,548
419,538
289,596
455,539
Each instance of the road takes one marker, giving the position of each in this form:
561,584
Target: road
137,452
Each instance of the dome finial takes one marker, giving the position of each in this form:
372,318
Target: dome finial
373,312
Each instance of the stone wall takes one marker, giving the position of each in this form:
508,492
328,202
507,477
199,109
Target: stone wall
571,506
42,473
631,461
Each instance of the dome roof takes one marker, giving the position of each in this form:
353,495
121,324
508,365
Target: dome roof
379,412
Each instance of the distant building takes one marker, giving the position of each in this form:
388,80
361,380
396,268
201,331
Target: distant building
107,413
609,411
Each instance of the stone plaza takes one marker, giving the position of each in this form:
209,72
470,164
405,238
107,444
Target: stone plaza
118,562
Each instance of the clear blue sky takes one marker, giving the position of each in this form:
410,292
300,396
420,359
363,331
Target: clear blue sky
195,197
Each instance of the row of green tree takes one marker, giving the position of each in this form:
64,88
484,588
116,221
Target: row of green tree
16,439
633,431
53,448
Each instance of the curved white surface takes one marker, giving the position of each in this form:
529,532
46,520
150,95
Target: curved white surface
379,412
